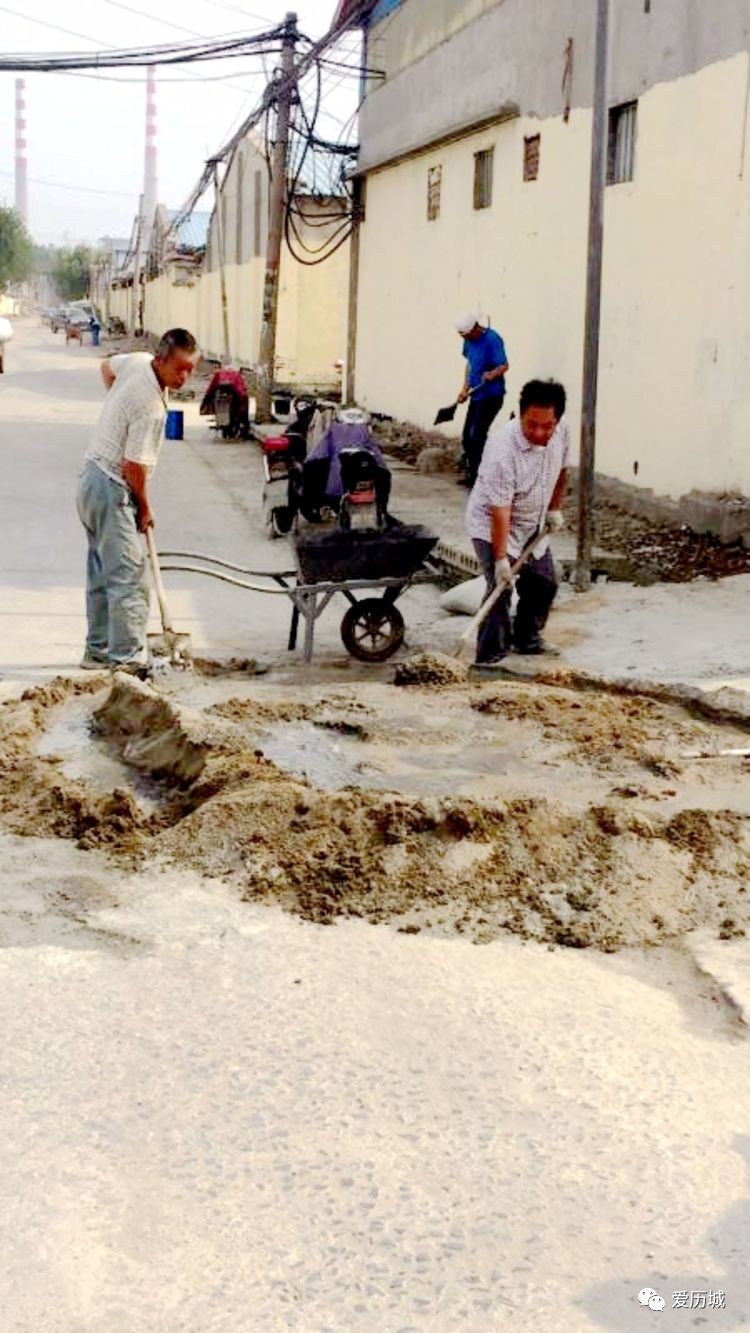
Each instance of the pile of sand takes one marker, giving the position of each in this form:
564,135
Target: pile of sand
605,876
434,669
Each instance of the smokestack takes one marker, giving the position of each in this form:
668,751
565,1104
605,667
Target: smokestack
150,182
22,186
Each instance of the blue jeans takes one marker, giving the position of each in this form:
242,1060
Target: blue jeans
117,593
536,586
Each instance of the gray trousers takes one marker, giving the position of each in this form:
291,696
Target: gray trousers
117,592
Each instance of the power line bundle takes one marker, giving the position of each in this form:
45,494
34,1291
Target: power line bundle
170,53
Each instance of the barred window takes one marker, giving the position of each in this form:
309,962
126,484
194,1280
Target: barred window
621,158
434,189
483,172
531,150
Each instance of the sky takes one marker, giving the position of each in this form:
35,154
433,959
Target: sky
86,134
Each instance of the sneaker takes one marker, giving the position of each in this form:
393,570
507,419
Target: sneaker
537,649
93,662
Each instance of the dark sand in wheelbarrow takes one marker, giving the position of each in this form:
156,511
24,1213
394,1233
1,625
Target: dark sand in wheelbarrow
554,811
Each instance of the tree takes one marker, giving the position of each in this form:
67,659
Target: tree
70,272
16,248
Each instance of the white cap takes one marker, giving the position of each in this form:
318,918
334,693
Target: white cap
466,322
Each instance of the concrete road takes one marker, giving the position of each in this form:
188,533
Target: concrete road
218,1119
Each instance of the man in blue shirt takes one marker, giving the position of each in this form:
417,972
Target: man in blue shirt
484,387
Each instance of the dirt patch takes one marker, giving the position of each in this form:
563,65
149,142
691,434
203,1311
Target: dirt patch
232,666
606,727
434,669
406,442
659,553
616,871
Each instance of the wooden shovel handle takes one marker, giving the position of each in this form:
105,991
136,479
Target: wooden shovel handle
161,595
478,620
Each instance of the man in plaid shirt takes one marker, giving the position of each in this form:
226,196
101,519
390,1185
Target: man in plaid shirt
520,491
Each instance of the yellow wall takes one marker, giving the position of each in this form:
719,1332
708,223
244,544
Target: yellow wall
244,289
676,306
167,306
313,303
313,309
120,302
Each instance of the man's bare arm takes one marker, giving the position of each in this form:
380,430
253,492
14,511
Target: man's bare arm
136,478
108,375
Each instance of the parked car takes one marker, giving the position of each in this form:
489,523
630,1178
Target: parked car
69,314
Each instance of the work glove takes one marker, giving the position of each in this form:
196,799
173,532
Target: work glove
503,572
555,520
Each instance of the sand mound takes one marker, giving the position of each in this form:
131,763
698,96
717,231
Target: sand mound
604,875
434,669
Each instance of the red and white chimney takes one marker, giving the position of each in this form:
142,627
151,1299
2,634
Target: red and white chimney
22,184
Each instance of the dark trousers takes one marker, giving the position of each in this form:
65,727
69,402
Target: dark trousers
479,418
536,586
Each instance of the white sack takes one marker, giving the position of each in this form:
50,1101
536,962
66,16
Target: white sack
466,598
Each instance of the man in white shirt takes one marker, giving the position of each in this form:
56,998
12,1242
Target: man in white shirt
113,502
520,491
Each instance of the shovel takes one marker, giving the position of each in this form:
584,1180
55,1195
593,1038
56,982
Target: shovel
470,633
169,643
448,413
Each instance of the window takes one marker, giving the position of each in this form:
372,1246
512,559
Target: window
483,164
621,159
434,187
531,150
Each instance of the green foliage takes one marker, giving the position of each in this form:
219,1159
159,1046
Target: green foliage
70,272
16,248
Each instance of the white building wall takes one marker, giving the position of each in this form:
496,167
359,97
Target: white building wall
676,305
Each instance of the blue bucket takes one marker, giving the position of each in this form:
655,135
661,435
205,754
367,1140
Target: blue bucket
175,425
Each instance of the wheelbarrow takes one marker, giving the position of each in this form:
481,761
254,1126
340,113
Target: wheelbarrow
349,563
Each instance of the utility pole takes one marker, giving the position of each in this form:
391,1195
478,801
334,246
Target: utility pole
277,207
222,262
599,141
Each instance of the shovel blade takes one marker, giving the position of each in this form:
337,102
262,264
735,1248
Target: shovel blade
177,647
445,414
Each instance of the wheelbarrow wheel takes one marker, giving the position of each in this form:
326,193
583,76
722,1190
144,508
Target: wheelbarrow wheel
372,630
